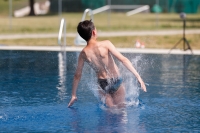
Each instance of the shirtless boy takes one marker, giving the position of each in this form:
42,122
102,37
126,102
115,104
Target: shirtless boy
98,54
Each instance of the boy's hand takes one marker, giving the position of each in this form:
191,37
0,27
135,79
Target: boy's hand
143,87
73,99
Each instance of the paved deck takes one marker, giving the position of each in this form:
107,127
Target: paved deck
122,50
102,34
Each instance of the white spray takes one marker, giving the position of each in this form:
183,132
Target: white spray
130,82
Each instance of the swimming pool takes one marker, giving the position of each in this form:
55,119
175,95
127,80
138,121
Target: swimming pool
35,91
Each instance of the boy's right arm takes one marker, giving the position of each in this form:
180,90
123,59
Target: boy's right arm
76,80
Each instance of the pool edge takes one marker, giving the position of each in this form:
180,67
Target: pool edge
122,50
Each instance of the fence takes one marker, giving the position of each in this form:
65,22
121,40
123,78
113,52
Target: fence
188,6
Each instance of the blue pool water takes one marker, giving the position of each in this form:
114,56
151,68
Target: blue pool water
35,90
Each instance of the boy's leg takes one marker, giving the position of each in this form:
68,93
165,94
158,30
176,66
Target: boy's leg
108,99
119,97
116,99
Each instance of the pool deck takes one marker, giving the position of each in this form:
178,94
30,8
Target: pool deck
122,50
107,34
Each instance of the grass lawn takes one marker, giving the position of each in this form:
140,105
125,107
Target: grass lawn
117,22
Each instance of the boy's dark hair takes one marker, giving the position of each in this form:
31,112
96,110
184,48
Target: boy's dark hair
85,28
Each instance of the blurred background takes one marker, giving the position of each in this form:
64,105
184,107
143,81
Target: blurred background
149,23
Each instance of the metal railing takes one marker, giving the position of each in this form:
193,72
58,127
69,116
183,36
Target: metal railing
60,34
62,53
134,8
90,13
79,40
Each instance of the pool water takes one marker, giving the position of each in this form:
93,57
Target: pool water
35,89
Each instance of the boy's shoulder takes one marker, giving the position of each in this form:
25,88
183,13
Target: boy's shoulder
104,42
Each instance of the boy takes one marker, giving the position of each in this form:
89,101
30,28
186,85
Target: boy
98,54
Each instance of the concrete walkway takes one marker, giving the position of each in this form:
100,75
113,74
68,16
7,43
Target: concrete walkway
122,50
102,34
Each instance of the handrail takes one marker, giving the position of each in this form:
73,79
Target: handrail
140,9
62,45
62,59
62,26
79,40
111,7
90,13
101,9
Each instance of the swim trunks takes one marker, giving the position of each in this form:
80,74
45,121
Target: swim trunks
110,85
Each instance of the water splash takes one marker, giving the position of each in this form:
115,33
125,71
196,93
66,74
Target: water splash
130,82
62,75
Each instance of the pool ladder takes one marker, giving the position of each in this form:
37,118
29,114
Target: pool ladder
62,55
79,40
60,34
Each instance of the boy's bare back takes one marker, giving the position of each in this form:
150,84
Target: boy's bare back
98,55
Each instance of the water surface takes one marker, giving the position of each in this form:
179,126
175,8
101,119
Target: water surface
35,91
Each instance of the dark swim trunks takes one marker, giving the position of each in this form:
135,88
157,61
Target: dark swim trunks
110,85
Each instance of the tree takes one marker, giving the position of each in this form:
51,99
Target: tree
31,4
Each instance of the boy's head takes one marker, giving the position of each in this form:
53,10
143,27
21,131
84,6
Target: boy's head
85,29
